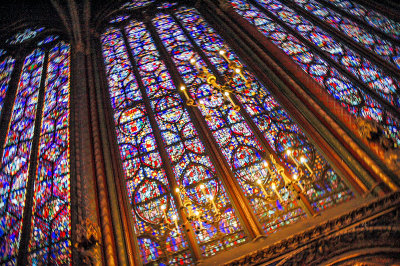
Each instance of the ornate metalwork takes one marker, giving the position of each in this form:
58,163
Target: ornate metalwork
227,88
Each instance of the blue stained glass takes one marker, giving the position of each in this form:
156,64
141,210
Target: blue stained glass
145,178
16,156
166,5
132,4
119,19
349,95
25,35
356,64
384,48
48,39
191,164
6,68
51,218
237,143
371,17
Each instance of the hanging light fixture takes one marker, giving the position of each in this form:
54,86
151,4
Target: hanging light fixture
275,175
234,70
192,213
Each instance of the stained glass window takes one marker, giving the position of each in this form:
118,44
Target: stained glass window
136,4
6,68
354,97
146,182
51,224
17,154
165,143
35,155
369,16
370,40
362,68
191,165
119,19
48,39
25,35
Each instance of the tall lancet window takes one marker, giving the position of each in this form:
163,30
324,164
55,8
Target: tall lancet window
34,168
330,43
204,167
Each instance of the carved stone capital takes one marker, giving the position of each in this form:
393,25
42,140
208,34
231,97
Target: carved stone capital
87,239
373,132
224,5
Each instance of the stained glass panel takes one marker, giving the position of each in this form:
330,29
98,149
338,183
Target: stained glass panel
362,68
48,39
220,229
384,48
371,17
119,19
6,68
153,207
51,223
238,144
136,3
166,5
353,98
25,35
16,156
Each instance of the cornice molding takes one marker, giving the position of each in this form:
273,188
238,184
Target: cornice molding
355,239
311,237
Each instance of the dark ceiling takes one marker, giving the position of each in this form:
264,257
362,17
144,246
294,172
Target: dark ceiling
39,10
43,10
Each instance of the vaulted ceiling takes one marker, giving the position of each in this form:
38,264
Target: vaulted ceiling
43,11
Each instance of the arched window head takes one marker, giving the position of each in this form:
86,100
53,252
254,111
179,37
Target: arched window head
24,35
133,4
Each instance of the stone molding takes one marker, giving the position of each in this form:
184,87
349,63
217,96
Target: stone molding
320,232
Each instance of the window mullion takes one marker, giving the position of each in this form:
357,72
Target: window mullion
9,100
168,167
27,214
223,169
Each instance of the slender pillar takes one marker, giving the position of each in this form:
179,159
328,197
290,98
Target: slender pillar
108,240
122,228
168,167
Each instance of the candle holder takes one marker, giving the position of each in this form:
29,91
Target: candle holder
197,215
301,163
233,71
171,225
271,185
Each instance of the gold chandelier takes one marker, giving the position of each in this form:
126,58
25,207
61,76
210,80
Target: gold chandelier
225,89
275,174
